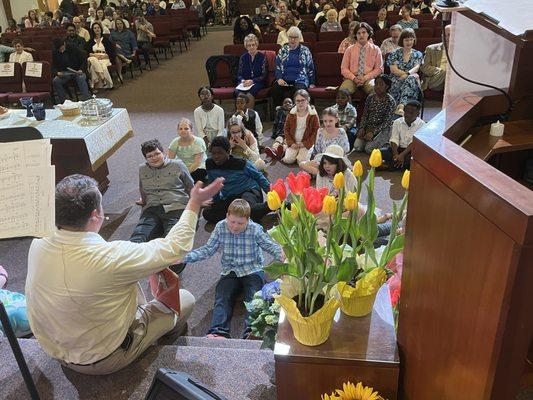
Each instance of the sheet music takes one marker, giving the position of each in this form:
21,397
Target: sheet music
27,184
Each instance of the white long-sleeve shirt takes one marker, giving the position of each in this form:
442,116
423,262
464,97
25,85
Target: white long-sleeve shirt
81,291
213,118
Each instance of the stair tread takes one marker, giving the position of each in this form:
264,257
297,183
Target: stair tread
200,341
236,373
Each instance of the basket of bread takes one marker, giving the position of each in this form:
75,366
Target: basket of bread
70,108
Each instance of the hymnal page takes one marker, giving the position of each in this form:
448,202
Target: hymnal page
27,184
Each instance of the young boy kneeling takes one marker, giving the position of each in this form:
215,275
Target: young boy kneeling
241,242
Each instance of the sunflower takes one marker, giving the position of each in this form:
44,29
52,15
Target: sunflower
353,392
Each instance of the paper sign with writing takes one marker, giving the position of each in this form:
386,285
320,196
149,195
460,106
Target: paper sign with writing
7,69
34,69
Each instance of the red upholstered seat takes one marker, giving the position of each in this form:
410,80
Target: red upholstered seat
331,36
223,93
422,43
10,84
37,87
3,98
309,37
269,46
328,73
325,47
234,49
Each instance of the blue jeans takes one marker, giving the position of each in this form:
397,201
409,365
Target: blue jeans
59,83
228,287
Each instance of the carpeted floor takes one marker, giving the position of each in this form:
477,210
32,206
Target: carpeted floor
156,101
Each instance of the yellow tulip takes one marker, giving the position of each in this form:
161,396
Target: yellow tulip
273,200
294,212
405,179
338,180
375,158
329,206
358,169
350,201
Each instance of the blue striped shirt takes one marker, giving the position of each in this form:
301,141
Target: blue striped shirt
241,253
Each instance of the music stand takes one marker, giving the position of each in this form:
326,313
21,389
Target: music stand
16,135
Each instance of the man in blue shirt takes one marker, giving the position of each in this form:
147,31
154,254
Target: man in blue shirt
242,181
241,242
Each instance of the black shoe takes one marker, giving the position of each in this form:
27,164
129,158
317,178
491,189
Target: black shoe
177,268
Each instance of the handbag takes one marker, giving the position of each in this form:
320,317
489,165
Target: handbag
165,287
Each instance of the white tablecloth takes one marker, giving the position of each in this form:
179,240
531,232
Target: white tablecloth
101,139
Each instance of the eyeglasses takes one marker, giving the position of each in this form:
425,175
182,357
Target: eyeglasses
294,37
301,101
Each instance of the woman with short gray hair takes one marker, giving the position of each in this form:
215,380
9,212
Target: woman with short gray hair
252,73
294,67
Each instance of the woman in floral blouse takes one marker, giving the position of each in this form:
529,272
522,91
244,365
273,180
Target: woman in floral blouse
375,127
404,64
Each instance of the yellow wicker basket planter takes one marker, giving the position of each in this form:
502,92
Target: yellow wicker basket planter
358,301
313,330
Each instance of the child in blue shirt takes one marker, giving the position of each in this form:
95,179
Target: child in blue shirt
281,116
242,180
241,242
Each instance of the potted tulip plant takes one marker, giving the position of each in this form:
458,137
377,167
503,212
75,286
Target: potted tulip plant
317,262
369,272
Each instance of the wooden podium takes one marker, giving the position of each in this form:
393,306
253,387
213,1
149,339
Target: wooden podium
358,349
465,319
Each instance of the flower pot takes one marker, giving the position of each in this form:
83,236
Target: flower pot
312,330
358,301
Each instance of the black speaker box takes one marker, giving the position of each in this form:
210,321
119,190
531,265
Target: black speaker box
173,385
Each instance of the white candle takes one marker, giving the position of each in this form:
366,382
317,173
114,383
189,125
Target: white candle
496,129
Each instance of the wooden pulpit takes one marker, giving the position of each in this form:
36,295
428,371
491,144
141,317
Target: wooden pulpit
465,320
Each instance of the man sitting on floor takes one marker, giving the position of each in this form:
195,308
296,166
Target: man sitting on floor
434,64
84,301
242,180
241,242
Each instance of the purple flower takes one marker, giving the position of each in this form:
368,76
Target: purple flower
269,290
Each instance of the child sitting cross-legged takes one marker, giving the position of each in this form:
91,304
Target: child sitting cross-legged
243,143
326,136
281,116
241,242
249,117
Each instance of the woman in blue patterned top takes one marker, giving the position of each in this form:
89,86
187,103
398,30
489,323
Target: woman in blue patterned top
253,71
294,67
404,64
407,21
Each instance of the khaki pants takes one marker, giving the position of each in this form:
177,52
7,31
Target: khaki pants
349,85
152,321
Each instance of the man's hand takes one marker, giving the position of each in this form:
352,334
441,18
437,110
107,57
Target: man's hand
281,82
79,72
199,195
248,82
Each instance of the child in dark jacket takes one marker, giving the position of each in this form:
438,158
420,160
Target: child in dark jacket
281,116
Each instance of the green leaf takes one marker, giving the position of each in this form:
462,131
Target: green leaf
347,269
277,269
276,234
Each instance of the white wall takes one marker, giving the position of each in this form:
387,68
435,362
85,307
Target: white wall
478,54
3,18
20,8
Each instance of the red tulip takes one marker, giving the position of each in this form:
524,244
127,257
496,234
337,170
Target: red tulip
280,189
323,192
395,298
297,183
313,200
